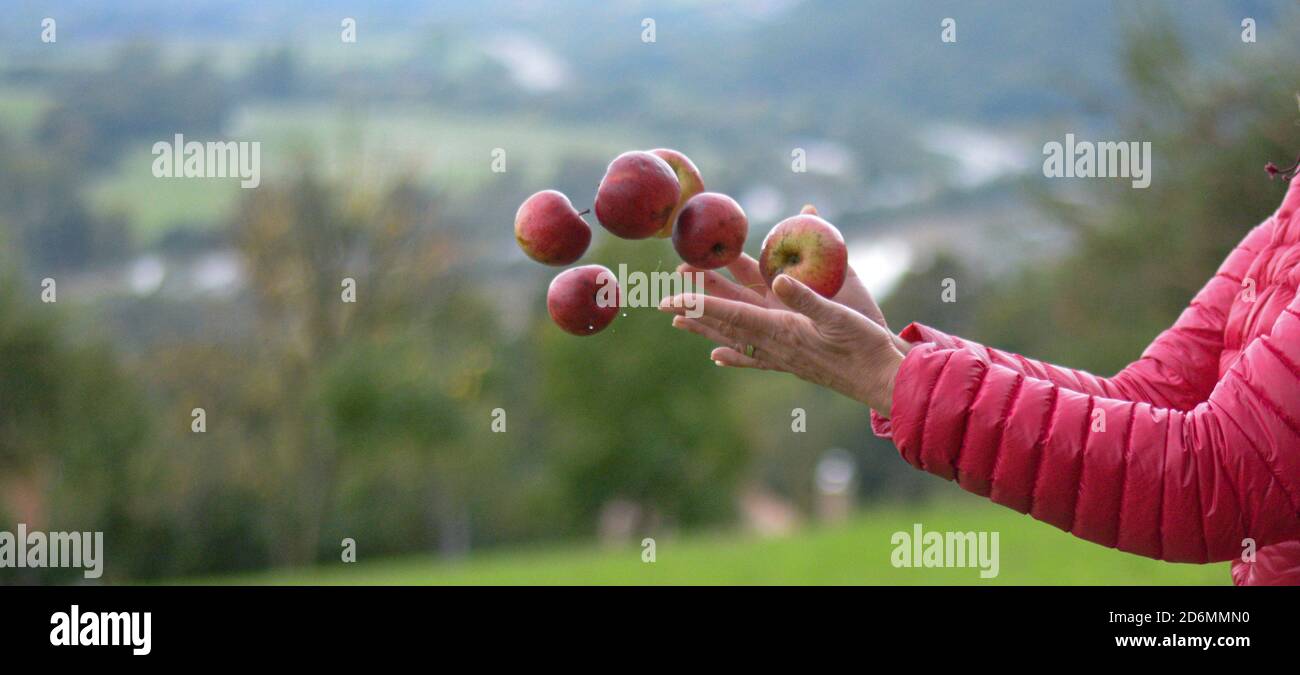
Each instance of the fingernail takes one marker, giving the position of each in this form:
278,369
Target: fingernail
678,321
719,364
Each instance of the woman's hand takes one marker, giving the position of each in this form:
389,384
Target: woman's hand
794,330
749,287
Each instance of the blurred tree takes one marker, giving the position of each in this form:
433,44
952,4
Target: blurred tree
920,295
97,113
42,209
637,413
386,379
1141,255
70,424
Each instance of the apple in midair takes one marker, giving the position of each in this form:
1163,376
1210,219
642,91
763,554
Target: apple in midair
550,230
637,196
710,231
809,249
583,300
688,177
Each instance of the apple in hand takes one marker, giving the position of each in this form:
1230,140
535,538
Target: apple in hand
710,231
637,195
550,230
809,249
688,177
583,300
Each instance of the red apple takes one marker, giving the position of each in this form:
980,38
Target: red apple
710,231
583,300
550,230
688,177
808,249
637,195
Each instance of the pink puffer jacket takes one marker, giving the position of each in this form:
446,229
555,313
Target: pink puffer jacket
1184,454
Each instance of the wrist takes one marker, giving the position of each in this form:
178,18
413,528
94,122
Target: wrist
880,394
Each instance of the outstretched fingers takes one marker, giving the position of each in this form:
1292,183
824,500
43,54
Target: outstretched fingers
745,270
726,356
738,346
804,300
725,334
740,315
704,329
717,285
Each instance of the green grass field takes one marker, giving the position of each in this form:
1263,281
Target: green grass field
448,151
857,552
154,206
21,109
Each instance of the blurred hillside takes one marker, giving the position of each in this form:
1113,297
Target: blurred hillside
372,420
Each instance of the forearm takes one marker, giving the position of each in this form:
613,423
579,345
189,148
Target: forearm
1147,380
1160,483
1177,370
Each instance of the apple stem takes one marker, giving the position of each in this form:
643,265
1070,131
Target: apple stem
584,212
1287,173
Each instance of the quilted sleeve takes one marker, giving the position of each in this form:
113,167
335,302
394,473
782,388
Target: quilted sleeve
1177,370
1185,486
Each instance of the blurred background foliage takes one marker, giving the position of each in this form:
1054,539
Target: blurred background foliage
373,420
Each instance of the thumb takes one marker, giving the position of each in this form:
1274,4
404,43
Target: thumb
804,300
